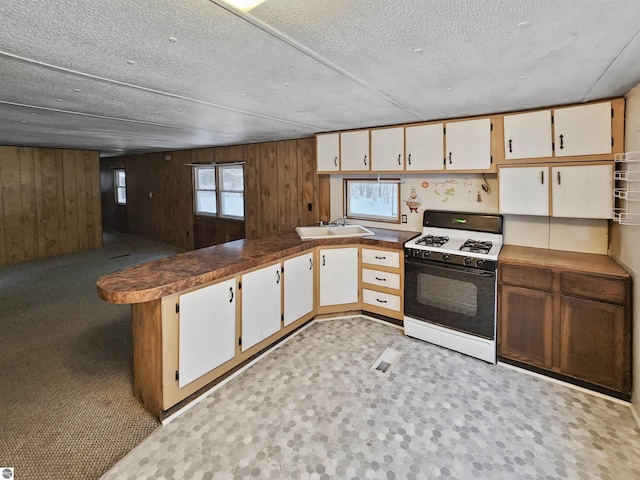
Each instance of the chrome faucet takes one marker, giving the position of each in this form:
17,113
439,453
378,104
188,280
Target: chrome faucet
342,221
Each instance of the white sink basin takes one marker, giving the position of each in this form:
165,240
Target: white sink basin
313,233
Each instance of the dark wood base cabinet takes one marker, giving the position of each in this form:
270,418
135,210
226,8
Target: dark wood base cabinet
568,315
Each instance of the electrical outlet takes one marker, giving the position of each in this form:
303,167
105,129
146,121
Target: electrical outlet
309,207
404,219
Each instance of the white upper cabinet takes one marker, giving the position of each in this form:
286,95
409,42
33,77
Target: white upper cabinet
582,130
528,135
328,152
584,191
468,145
424,147
354,151
524,190
387,149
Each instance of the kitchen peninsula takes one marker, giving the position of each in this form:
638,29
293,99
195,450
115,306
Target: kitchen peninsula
233,280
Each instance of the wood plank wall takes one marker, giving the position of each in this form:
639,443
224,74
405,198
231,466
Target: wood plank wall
49,202
280,182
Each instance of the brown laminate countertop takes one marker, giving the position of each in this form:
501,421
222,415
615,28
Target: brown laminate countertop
166,276
581,262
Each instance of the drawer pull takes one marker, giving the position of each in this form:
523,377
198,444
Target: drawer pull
381,279
381,258
381,301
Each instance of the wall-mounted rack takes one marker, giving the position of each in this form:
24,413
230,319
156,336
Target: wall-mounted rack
627,188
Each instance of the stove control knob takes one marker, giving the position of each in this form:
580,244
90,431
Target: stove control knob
446,257
425,254
415,253
467,260
479,262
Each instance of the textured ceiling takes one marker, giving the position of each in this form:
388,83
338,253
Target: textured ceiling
134,76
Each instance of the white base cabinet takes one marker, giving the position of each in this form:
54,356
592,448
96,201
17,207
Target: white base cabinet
338,276
298,287
207,330
261,304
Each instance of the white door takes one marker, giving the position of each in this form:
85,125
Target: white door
524,190
528,135
387,149
354,151
468,145
338,276
261,304
582,191
207,330
582,130
328,152
424,147
298,287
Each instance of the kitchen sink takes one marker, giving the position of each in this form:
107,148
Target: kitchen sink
313,233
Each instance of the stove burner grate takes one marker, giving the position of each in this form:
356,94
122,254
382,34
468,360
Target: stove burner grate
476,246
432,240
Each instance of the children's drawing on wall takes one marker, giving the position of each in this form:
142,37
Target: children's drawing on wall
413,201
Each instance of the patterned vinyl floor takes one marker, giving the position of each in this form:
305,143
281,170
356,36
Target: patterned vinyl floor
313,409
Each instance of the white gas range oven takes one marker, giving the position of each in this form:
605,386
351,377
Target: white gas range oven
451,281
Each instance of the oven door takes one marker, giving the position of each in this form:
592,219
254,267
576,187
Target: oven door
451,296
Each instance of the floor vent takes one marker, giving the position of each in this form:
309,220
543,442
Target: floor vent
386,361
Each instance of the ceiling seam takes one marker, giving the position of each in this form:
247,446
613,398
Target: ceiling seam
595,84
154,91
283,37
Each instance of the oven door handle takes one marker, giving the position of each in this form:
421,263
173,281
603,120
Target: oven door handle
472,271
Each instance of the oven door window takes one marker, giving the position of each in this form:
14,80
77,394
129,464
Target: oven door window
447,294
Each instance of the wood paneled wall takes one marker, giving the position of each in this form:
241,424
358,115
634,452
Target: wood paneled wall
280,183
50,202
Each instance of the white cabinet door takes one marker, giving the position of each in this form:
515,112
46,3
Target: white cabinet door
524,190
528,135
298,287
207,330
582,191
338,276
261,304
582,130
424,147
468,145
354,151
328,152
387,149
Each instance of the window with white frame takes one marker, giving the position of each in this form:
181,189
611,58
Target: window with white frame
219,190
120,186
372,200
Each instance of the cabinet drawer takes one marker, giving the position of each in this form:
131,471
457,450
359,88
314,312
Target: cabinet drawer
605,289
383,258
529,277
383,279
382,300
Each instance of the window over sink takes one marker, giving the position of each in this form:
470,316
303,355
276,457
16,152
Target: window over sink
372,200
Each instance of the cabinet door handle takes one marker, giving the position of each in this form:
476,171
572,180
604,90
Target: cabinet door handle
542,177
381,301
231,292
381,258
561,142
365,159
510,149
323,262
381,279
559,180
278,273
450,162
409,159
335,161
399,157
310,264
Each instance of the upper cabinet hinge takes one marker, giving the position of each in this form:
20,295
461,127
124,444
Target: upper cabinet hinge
551,119
282,317
240,341
177,308
553,146
492,127
444,130
612,113
612,141
491,158
177,375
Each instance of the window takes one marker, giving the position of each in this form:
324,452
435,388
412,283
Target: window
120,184
372,200
219,191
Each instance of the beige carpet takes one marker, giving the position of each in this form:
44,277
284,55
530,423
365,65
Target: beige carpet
67,409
